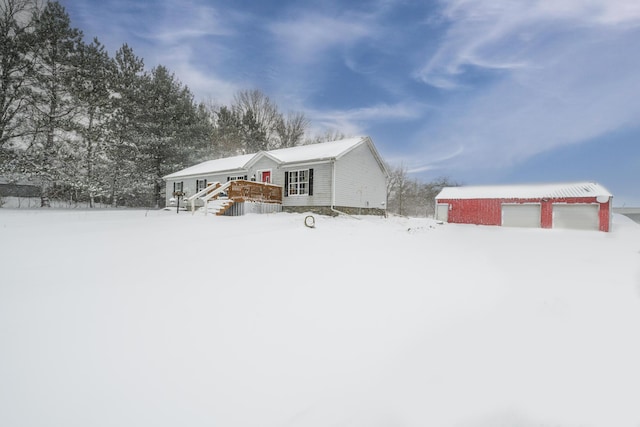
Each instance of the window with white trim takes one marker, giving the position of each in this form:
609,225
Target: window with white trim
201,184
299,182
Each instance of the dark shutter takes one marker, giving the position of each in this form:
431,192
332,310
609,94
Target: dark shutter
228,179
311,182
286,184
182,186
174,186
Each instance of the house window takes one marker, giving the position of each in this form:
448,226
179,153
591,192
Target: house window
237,177
177,186
299,183
201,184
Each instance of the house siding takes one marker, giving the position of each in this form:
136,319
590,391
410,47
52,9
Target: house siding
322,181
265,163
362,181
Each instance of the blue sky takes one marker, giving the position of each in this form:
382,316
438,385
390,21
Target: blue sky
481,91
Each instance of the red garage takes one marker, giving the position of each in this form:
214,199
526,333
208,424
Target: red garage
582,205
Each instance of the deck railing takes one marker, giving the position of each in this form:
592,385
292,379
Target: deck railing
238,191
251,191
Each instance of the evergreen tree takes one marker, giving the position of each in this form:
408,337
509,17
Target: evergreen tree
168,129
254,133
124,183
91,89
52,105
227,133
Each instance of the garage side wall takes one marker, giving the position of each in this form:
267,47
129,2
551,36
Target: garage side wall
474,211
489,211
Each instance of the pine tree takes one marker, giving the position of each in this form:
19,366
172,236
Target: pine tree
171,129
227,133
123,128
52,104
91,90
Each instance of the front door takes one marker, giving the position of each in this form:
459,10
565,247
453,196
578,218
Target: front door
266,176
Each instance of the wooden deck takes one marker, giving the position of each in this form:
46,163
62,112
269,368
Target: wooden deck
251,191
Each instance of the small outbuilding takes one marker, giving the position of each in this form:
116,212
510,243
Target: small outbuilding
581,205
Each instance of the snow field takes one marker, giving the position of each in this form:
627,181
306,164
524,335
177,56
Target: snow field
150,318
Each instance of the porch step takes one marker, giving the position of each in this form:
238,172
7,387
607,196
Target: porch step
219,206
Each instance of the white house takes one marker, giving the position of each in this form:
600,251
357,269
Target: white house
339,176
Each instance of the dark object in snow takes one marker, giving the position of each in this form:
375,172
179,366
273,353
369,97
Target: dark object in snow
310,221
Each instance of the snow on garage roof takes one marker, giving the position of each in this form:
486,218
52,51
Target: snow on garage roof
532,191
303,153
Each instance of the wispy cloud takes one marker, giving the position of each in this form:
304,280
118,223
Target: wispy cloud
356,121
536,76
504,34
307,37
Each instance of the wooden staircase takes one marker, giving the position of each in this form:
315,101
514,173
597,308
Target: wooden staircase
219,206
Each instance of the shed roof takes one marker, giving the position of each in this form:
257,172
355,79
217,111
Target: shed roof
303,153
530,191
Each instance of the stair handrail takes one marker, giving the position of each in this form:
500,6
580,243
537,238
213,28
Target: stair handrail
201,192
211,195
216,192
207,192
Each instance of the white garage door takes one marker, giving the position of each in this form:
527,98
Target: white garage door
442,212
526,215
577,216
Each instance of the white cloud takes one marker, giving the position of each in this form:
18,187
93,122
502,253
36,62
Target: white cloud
183,21
306,38
557,73
499,34
355,121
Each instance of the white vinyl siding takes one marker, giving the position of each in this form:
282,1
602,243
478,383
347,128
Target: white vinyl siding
264,164
321,185
579,216
521,215
360,181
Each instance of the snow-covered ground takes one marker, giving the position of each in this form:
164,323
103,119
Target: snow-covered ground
148,318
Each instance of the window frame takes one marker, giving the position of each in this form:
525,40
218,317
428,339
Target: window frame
295,185
199,187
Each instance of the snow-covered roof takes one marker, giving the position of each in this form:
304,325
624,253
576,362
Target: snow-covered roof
321,151
218,165
531,191
303,153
